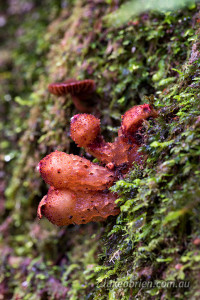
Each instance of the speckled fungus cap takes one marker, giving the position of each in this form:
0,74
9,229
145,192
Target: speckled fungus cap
84,129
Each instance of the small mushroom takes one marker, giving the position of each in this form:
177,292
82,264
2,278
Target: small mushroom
82,93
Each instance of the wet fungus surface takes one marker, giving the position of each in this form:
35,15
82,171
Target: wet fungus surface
65,207
61,170
78,191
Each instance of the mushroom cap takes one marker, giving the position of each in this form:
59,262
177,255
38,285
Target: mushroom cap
73,87
84,129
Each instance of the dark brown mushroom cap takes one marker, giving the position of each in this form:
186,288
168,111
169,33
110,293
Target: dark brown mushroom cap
73,87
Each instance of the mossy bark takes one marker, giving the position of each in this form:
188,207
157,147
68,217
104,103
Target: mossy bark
151,250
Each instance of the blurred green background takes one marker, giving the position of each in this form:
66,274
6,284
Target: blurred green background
137,52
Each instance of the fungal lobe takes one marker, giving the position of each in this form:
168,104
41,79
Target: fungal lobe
134,117
65,207
61,170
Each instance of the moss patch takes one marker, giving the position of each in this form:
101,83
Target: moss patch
152,58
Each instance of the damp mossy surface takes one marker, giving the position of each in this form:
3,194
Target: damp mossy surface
151,250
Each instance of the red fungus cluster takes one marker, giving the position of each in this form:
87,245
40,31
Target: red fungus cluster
85,131
78,191
81,91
